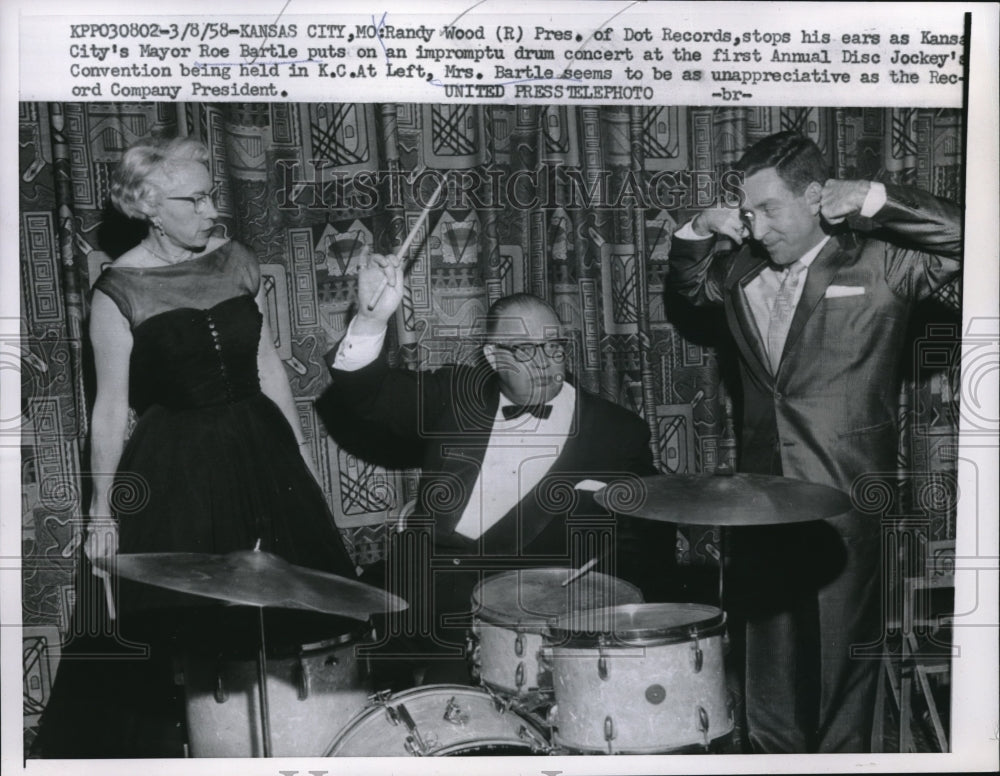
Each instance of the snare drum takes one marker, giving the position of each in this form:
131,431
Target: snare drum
315,684
513,611
648,679
438,721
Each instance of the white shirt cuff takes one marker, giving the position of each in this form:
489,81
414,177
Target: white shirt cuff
874,201
357,350
687,232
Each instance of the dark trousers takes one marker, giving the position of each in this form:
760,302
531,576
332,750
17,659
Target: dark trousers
811,604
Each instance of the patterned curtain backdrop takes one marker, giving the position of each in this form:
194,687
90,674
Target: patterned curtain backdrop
306,186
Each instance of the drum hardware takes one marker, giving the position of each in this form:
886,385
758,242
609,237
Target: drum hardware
440,720
454,714
473,655
301,679
500,702
415,744
602,662
221,694
703,723
656,694
609,733
697,655
258,579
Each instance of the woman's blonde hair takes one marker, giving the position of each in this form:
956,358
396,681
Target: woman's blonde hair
131,187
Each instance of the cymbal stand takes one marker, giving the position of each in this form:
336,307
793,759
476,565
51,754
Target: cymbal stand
265,716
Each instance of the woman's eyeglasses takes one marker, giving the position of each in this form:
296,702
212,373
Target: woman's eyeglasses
199,201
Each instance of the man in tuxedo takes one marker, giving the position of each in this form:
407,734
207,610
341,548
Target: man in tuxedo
817,295
501,446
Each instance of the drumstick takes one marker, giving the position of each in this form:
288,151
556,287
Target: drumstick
581,571
401,253
106,579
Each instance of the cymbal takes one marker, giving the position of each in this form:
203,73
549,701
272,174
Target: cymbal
254,578
725,500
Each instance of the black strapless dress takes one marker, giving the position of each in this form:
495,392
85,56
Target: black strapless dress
212,465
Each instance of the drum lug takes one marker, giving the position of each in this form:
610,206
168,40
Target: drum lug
301,679
221,693
414,742
519,645
501,704
552,715
609,732
544,657
453,713
519,676
602,664
534,739
703,723
412,748
473,654
697,655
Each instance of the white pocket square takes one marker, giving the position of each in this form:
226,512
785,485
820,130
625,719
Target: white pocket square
833,292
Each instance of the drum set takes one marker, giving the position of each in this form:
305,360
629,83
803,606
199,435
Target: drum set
567,661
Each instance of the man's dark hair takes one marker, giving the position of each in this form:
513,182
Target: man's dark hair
797,160
512,306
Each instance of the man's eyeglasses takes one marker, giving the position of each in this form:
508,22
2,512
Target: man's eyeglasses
525,351
200,201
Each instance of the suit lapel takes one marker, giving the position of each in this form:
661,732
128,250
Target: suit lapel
819,277
749,340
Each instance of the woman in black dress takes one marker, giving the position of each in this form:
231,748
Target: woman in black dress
216,461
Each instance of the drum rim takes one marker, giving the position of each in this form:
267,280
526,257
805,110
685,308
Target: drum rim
566,636
502,619
557,741
335,641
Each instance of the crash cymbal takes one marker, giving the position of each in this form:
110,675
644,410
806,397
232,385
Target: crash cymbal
726,500
254,578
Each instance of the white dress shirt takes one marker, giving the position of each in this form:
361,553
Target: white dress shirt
519,454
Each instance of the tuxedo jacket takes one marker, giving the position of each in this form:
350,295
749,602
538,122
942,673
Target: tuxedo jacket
829,412
441,421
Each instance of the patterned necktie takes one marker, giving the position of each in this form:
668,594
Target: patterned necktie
782,312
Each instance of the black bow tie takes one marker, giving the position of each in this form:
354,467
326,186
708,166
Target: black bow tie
512,411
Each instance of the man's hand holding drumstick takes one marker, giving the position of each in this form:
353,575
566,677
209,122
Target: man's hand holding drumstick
377,302
380,279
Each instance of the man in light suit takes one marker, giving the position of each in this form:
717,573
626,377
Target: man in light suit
501,446
819,313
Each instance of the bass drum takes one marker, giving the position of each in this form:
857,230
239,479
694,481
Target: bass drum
439,721
315,680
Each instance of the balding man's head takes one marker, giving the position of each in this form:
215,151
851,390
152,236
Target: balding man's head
526,348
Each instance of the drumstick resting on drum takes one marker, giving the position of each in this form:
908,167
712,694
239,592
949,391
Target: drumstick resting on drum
581,571
409,239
